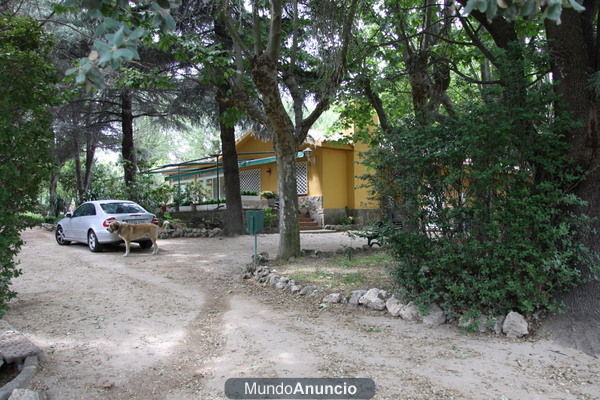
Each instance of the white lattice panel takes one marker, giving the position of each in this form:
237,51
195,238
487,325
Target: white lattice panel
301,177
250,180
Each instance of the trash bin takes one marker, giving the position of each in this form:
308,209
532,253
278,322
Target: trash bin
255,221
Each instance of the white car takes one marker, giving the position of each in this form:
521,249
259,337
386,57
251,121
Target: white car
89,223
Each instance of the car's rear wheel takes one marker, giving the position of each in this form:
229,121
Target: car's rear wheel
60,236
93,243
146,244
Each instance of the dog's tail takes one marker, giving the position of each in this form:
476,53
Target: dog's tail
165,225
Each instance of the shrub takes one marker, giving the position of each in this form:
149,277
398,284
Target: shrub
31,219
213,201
27,92
270,216
488,223
267,194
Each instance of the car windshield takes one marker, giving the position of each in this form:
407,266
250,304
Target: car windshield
121,208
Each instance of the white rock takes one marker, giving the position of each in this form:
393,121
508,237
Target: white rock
355,296
272,279
332,298
374,299
281,284
515,325
394,306
435,316
410,312
24,394
307,290
295,289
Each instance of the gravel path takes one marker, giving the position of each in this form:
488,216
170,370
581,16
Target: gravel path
177,325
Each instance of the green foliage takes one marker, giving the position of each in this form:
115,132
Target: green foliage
488,223
267,194
195,192
122,25
107,183
32,219
26,92
213,201
270,216
511,9
249,193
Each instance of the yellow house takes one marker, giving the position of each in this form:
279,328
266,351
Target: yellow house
328,176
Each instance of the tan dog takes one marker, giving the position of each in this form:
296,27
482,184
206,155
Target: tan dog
131,232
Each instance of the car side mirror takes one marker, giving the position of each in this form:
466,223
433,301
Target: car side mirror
68,215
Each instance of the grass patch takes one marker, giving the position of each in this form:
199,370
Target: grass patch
355,278
343,273
372,260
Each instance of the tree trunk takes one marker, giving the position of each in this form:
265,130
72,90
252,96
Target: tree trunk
574,60
128,146
264,74
90,152
53,209
289,230
234,221
78,177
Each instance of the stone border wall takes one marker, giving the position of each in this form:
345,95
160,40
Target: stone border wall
513,325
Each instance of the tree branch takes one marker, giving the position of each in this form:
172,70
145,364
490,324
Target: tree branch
256,25
274,43
335,80
476,41
377,104
229,23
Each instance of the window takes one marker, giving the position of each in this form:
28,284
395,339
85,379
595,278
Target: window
79,211
302,177
250,180
210,183
121,208
85,210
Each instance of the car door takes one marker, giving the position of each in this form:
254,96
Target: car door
78,223
87,219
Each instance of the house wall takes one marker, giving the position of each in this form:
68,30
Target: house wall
333,184
268,176
250,145
360,195
334,178
315,172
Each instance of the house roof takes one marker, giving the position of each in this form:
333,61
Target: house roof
175,172
314,137
206,165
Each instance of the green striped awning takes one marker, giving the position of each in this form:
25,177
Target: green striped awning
241,164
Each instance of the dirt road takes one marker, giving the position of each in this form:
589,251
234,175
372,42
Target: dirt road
177,325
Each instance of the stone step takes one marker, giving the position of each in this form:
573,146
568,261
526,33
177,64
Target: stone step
307,223
310,228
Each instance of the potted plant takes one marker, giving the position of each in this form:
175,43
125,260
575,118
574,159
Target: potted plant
195,192
271,197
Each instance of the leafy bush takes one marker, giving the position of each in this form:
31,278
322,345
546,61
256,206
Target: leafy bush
27,92
109,184
51,219
249,193
488,223
213,201
270,216
194,193
267,194
31,219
